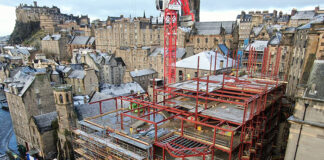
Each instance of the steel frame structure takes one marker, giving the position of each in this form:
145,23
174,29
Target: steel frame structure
259,100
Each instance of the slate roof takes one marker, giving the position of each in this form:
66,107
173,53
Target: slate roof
44,121
90,110
316,80
180,52
121,90
214,28
23,79
303,15
82,40
142,72
258,45
275,40
317,19
205,58
54,37
23,51
256,30
272,28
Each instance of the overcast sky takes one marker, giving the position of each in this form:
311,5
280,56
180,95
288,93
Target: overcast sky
211,10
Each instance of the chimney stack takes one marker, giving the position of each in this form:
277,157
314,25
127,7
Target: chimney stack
293,11
317,9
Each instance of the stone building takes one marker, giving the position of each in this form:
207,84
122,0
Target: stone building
143,77
134,32
207,35
27,13
42,131
55,47
49,23
66,119
299,18
245,26
145,58
308,46
306,131
29,94
23,53
83,82
110,69
276,42
78,42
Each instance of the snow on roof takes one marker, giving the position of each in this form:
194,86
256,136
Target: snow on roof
303,15
78,74
20,51
121,90
143,72
180,52
83,40
23,79
54,37
185,29
205,58
275,40
317,19
100,96
91,40
63,69
44,121
90,110
257,30
258,45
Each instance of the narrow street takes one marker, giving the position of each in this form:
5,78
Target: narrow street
6,131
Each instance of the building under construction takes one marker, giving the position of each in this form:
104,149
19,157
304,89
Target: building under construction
212,117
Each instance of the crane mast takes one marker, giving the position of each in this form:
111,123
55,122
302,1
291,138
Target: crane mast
171,9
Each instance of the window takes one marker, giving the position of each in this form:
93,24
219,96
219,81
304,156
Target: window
196,74
206,40
61,98
198,40
180,76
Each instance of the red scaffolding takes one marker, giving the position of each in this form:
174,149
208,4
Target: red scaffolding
257,97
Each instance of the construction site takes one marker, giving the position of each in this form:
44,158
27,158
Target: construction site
223,116
234,115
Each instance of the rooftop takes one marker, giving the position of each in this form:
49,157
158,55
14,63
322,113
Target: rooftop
44,121
205,61
143,72
303,15
180,52
258,45
214,28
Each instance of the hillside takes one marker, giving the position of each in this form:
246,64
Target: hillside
23,31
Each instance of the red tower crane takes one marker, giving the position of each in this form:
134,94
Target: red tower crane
171,10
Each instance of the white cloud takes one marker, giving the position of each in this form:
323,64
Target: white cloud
219,15
7,20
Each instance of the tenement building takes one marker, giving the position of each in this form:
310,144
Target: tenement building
307,122
29,94
308,46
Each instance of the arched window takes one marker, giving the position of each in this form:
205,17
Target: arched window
61,98
67,97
